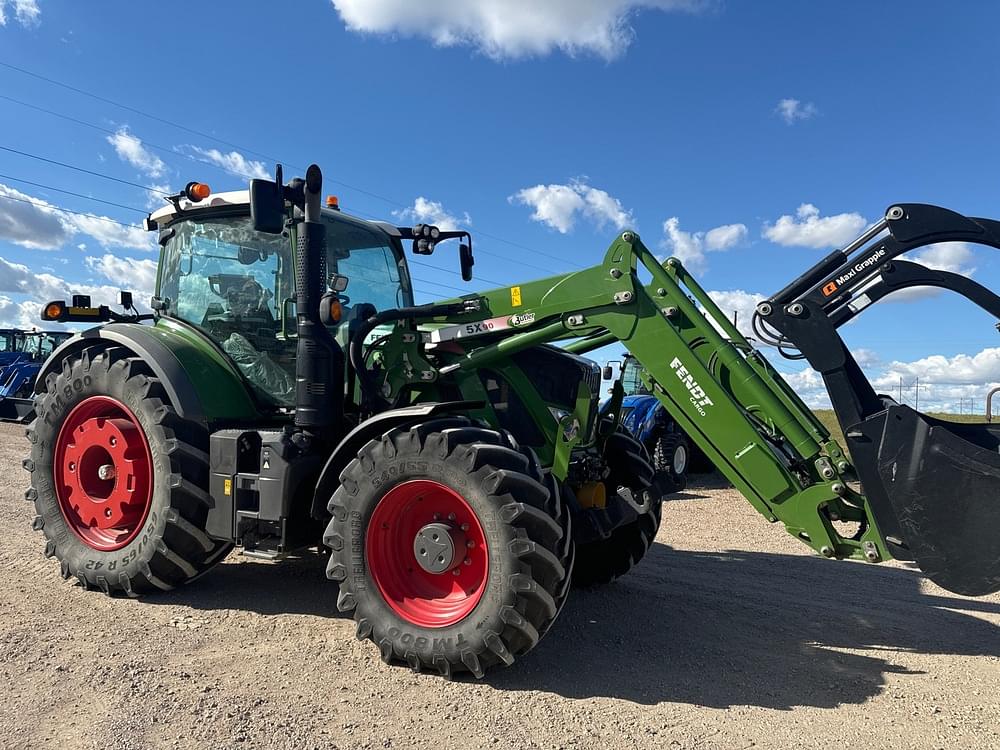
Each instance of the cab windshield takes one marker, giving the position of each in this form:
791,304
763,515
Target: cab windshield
237,285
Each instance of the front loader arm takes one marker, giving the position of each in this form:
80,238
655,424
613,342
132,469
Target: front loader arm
724,395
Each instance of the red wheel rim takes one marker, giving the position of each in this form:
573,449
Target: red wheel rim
424,598
103,473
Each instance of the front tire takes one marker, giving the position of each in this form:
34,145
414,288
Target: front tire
445,549
604,561
118,478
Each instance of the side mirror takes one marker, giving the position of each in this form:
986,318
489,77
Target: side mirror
607,373
338,283
267,206
467,261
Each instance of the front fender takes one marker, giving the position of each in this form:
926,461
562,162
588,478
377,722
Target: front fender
370,429
202,384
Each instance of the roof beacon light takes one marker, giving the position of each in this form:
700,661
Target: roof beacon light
333,202
197,191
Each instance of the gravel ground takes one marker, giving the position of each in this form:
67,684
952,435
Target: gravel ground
729,635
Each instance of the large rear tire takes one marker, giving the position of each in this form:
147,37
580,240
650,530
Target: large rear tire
448,547
604,561
118,478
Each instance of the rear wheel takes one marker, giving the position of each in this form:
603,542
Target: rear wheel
445,544
630,472
118,478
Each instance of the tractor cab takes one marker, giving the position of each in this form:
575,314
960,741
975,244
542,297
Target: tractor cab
29,346
236,285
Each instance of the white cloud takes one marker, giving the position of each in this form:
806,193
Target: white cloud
558,206
233,162
154,198
505,29
109,234
425,211
133,274
738,304
690,247
35,223
955,257
129,148
31,222
808,229
793,110
962,369
26,12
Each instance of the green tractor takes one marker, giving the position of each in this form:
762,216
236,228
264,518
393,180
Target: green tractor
452,459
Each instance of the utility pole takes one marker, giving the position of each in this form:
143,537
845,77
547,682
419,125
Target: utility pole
916,394
900,389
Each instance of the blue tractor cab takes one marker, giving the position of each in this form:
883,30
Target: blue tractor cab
22,354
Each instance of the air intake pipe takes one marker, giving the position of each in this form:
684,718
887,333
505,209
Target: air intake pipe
319,367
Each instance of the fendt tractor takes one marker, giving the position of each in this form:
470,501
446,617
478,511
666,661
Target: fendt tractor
451,459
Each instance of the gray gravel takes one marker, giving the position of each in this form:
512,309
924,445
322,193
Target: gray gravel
729,635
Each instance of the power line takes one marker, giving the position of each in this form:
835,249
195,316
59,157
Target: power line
102,129
70,192
69,211
138,112
187,129
84,171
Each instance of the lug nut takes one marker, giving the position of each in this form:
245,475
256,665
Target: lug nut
464,527
106,471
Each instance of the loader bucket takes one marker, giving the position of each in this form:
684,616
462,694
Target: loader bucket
943,483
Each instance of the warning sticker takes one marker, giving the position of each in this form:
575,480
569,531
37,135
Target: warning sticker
515,296
829,288
227,487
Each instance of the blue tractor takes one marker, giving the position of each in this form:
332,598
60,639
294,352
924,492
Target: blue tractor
22,354
649,423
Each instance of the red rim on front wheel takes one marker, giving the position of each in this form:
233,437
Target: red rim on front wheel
103,473
427,553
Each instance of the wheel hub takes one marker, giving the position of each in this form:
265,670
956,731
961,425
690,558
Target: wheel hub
103,473
427,554
439,548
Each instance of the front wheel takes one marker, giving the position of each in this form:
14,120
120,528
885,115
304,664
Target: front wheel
118,478
445,548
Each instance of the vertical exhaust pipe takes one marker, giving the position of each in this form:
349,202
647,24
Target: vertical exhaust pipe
319,366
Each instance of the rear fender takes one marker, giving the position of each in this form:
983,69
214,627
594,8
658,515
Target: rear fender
203,389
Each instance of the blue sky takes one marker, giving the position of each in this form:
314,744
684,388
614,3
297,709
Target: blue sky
548,124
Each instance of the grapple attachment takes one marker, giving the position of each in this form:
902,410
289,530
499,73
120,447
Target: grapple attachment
942,480
933,486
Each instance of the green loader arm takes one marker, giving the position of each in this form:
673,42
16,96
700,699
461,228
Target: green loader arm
722,392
